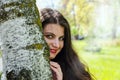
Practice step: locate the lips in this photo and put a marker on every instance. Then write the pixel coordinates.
(53, 51)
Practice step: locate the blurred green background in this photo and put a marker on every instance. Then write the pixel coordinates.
(104, 64)
(95, 29)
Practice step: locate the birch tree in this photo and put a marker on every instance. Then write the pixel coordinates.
(24, 51)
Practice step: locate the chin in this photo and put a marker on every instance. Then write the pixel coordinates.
(51, 58)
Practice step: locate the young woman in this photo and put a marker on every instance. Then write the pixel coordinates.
(65, 63)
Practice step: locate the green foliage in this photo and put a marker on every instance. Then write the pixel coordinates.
(74, 31)
(0, 75)
(0, 53)
(79, 15)
(104, 65)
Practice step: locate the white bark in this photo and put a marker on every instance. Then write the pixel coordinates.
(25, 55)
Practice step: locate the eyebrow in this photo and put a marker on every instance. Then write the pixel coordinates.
(46, 33)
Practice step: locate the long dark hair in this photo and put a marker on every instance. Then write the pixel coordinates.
(72, 67)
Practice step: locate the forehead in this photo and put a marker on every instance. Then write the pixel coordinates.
(54, 28)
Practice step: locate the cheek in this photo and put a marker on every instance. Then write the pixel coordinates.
(47, 40)
(62, 44)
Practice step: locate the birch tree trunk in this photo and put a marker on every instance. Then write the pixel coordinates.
(24, 52)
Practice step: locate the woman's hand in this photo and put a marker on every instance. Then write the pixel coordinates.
(56, 71)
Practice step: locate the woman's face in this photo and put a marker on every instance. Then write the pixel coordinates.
(54, 36)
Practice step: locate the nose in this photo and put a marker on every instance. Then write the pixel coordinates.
(56, 43)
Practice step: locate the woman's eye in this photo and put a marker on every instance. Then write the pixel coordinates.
(61, 39)
(49, 36)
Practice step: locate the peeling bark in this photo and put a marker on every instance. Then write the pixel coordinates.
(24, 51)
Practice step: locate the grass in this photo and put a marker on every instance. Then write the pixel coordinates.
(104, 65)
